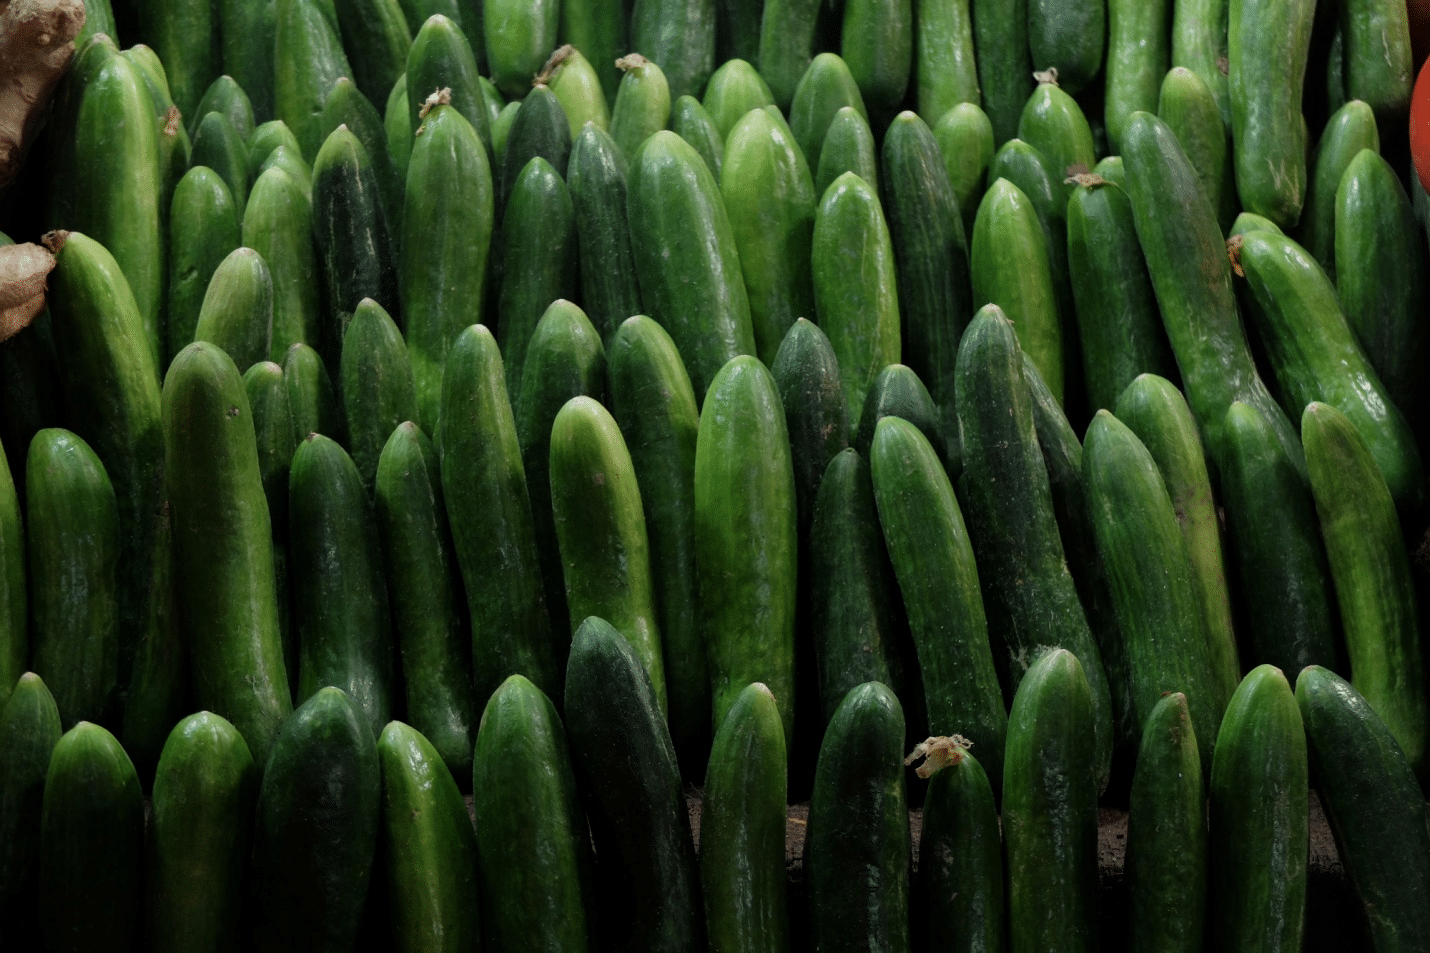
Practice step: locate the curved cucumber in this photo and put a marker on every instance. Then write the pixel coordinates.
(1349, 130)
(219, 146)
(1053, 123)
(376, 38)
(246, 32)
(345, 105)
(1186, 104)
(898, 392)
(1379, 67)
(965, 139)
(877, 43)
(278, 224)
(441, 58)
(848, 147)
(273, 427)
(540, 128)
(186, 38)
(944, 61)
(598, 29)
(1199, 43)
(806, 372)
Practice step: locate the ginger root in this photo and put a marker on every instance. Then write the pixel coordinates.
(24, 270)
(36, 46)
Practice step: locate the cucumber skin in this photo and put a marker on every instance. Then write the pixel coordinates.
(734, 90)
(540, 128)
(848, 147)
(642, 108)
(311, 398)
(826, 87)
(1005, 66)
(806, 372)
(14, 599)
(1053, 123)
(203, 229)
(376, 39)
(237, 313)
(1349, 130)
(857, 849)
(898, 392)
(29, 730)
(596, 180)
(375, 381)
(1378, 62)
(185, 36)
(247, 33)
(959, 890)
(218, 145)
(223, 546)
(1384, 848)
(1199, 43)
(877, 43)
(345, 105)
(965, 139)
(308, 58)
(1187, 105)
(679, 35)
(787, 31)
(277, 224)
(944, 64)
(597, 28)
(1069, 37)
(1138, 56)
(442, 58)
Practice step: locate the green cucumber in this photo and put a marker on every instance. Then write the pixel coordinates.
(278, 224)
(1199, 43)
(1167, 833)
(898, 392)
(273, 427)
(679, 35)
(223, 545)
(642, 105)
(218, 146)
(225, 96)
(345, 105)
(1005, 65)
(686, 259)
(598, 28)
(375, 385)
(308, 59)
(91, 846)
(539, 129)
(1138, 55)
(291, 161)
(267, 137)
(1374, 806)
(397, 125)
(629, 784)
(1256, 854)
(1349, 130)
(441, 58)
(29, 730)
(518, 35)
(1068, 37)
(376, 39)
(237, 313)
(490, 513)
(574, 83)
(1187, 106)
(1053, 123)
(200, 833)
(14, 601)
(806, 372)
(734, 89)
(430, 850)
(690, 121)
(340, 608)
(247, 34)
(596, 180)
(848, 147)
(965, 139)
(787, 30)
(770, 202)
(944, 63)
(316, 827)
(185, 35)
(174, 144)
(857, 846)
(1379, 67)
(958, 896)
(826, 87)
(877, 44)
(311, 399)
(532, 840)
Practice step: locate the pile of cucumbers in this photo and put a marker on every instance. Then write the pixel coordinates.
(561, 404)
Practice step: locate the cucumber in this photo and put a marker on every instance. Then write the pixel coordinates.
(278, 224)
(247, 34)
(806, 373)
(1138, 55)
(743, 829)
(29, 730)
(1186, 104)
(598, 28)
(629, 785)
(1005, 65)
(898, 392)
(965, 139)
(273, 427)
(596, 180)
(291, 161)
(316, 827)
(376, 39)
(770, 202)
(679, 35)
(1378, 64)
(173, 139)
(397, 126)
(574, 83)
(1256, 854)
(848, 147)
(223, 544)
(787, 33)
(539, 129)
(1349, 130)
(311, 398)
(686, 260)
(877, 44)
(418, 11)
(642, 105)
(534, 849)
(429, 847)
(490, 513)
(1371, 569)
(944, 63)
(826, 87)
(518, 36)
(237, 313)
(14, 607)
(1199, 43)
(690, 121)
(185, 35)
(200, 833)
(1167, 833)
(225, 96)
(1053, 123)
(1068, 37)
(1373, 804)
(340, 608)
(441, 58)
(734, 89)
(856, 848)
(308, 59)
(91, 845)
(345, 105)
(375, 384)
(218, 146)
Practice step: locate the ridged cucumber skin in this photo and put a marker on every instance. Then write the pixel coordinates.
(938, 581)
(600, 526)
(596, 181)
(1138, 56)
(375, 382)
(532, 840)
(237, 313)
(345, 105)
(1176, 225)
(1349, 130)
(629, 784)
(686, 259)
(806, 373)
(898, 392)
(429, 847)
(1257, 850)
(14, 597)
(1053, 123)
(340, 606)
(654, 405)
(91, 845)
(1010, 268)
(316, 828)
(1199, 43)
(73, 552)
(826, 87)
(746, 538)
(485, 488)
(1028, 591)
(226, 97)
(1068, 37)
(273, 427)
(574, 83)
(743, 829)
(643, 106)
(1050, 808)
(247, 33)
(1274, 545)
(219, 146)
(442, 58)
(1118, 323)
(965, 139)
(787, 34)
(733, 90)
(1315, 356)
(311, 398)
(1186, 104)
(376, 39)
(519, 35)
(29, 730)
(851, 586)
(679, 35)
(770, 203)
(539, 129)
(945, 69)
(857, 846)
(185, 35)
(277, 224)
(1005, 65)
(1158, 414)
(223, 546)
(308, 59)
(1159, 615)
(355, 259)
(1167, 833)
(1371, 569)
(423, 583)
(598, 29)
(1381, 276)
(1379, 67)
(199, 835)
(958, 892)
(1268, 38)
(848, 147)
(1374, 806)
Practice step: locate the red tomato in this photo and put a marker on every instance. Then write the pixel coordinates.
(1420, 126)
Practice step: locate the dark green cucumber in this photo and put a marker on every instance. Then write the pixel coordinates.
(787, 29)
(273, 427)
(1138, 55)
(278, 224)
(1053, 123)
(308, 59)
(247, 34)
(574, 83)
(826, 87)
(376, 39)
(848, 147)
(14, 600)
(186, 38)
(345, 105)
(311, 398)
(537, 891)
(598, 29)
(877, 43)
(629, 785)
(686, 258)
(857, 848)
(200, 832)
(73, 539)
(539, 129)
(1167, 833)
(223, 546)
(806, 372)
(965, 139)
(518, 35)
(1068, 37)
(225, 96)
(1379, 67)
(733, 90)
(642, 106)
(29, 730)
(944, 62)
(237, 313)
(374, 384)
(173, 139)
(1374, 806)
(429, 847)
(596, 180)
(770, 201)
(340, 607)
(92, 846)
(690, 121)
(1256, 854)
(679, 35)
(441, 58)
(1186, 104)
(1005, 65)
(218, 146)
(397, 125)
(938, 580)
(1349, 130)
(490, 513)
(898, 392)
(1199, 43)
(316, 828)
